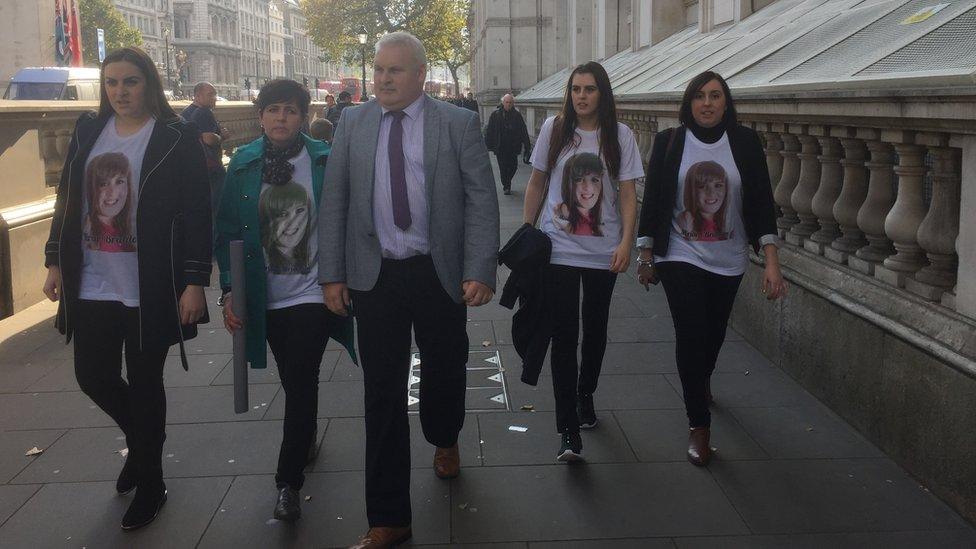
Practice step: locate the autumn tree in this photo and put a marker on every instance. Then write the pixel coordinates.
(334, 25)
(102, 14)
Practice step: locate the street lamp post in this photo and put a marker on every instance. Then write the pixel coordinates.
(169, 78)
(362, 51)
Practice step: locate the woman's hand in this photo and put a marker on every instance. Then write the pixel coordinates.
(231, 322)
(620, 260)
(647, 275)
(52, 285)
(773, 285)
(192, 304)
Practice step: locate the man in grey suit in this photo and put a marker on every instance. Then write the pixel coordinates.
(408, 239)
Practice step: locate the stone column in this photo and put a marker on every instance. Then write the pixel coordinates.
(806, 187)
(54, 139)
(774, 158)
(938, 231)
(850, 201)
(963, 298)
(787, 182)
(877, 204)
(903, 220)
(831, 182)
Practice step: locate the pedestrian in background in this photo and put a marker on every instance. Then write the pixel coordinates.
(507, 136)
(133, 285)
(707, 198)
(270, 201)
(212, 135)
(589, 162)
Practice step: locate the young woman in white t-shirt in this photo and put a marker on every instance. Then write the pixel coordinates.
(590, 162)
(128, 258)
(707, 198)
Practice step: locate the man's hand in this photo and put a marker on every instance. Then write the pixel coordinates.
(231, 321)
(476, 293)
(336, 297)
(192, 304)
(224, 132)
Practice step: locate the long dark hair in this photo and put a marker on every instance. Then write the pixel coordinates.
(564, 126)
(684, 113)
(155, 100)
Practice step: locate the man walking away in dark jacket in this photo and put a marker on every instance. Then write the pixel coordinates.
(345, 99)
(505, 137)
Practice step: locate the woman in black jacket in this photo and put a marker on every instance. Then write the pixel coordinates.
(707, 197)
(128, 258)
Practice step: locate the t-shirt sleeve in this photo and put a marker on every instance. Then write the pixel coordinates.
(540, 152)
(631, 166)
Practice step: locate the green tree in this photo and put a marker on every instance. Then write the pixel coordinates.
(335, 25)
(101, 14)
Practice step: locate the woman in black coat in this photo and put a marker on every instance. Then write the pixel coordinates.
(707, 198)
(128, 257)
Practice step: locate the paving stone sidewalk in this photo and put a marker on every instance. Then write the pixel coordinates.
(788, 471)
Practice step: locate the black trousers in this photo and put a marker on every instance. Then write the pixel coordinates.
(297, 336)
(701, 303)
(407, 294)
(137, 403)
(597, 291)
(507, 165)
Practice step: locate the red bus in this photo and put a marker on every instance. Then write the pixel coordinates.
(354, 87)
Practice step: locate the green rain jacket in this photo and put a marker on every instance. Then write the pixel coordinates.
(237, 219)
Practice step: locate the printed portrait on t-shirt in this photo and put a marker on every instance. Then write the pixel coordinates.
(705, 202)
(579, 213)
(285, 212)
(108, 219)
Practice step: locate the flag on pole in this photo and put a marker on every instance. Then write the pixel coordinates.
(61, 46)
(75, 37)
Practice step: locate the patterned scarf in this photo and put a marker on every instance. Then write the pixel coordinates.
(277, 170)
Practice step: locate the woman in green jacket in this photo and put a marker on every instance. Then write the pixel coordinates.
(270, 201)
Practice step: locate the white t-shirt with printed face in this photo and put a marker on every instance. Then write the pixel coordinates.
(289, 238)
(707, 229)
(110, 264)
(581, 214)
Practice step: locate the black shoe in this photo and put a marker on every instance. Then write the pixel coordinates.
(127, 478)
(144, 507)
(585, 411)
(571, 448)
(289, 506)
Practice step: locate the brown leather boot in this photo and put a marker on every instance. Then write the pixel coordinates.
(383, 537)
(447, 462)
(699, 452)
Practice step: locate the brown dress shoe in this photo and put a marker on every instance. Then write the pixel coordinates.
(382, 537)
(699, 452)
(447, 462)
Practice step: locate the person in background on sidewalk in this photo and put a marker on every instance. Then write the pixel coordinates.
(335, 111)
(507, 136)
(321, 129)
(408, 236)
(212, 135)
(138, 289)
(585, 129)
(707, 198)
(270, 202)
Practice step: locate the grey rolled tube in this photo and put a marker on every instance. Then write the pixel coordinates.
(239, 307)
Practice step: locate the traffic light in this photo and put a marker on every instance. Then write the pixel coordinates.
(316, 83)
(305, 81)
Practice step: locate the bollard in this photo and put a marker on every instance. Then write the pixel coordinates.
(239, 307)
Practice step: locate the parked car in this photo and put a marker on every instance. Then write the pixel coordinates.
(54, 84)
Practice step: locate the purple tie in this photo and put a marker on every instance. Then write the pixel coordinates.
(398, 178)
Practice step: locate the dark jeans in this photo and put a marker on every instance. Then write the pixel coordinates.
(700, 302)
(597, 291)
(297, 336)
(137, 403)
(507, 165)
(407, 294)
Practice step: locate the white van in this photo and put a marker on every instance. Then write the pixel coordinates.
(54, 84)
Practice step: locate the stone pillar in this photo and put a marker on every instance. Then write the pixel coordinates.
(774, 158)
(964, 300)
(903, 220)
(806, 187)
(877, 204)
(938, 231)
(54, 139)
(831, 182)
(787, 182)
(851, 198)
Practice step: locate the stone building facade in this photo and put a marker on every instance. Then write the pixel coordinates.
(152, 18)
(276, 39)
(255, 41)
(209, 32)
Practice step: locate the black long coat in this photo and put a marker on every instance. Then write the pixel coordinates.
(173, 221)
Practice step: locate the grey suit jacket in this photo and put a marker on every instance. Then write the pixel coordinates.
(461, 199)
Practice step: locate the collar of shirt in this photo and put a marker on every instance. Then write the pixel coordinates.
(414, 110)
